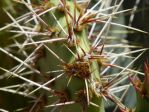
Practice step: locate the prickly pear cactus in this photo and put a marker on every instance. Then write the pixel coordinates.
(63, 55)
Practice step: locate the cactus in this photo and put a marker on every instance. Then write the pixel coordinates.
(64, 55)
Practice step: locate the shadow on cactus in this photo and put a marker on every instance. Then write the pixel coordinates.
(64, 57)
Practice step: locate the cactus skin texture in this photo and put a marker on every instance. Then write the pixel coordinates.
(80, 46)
